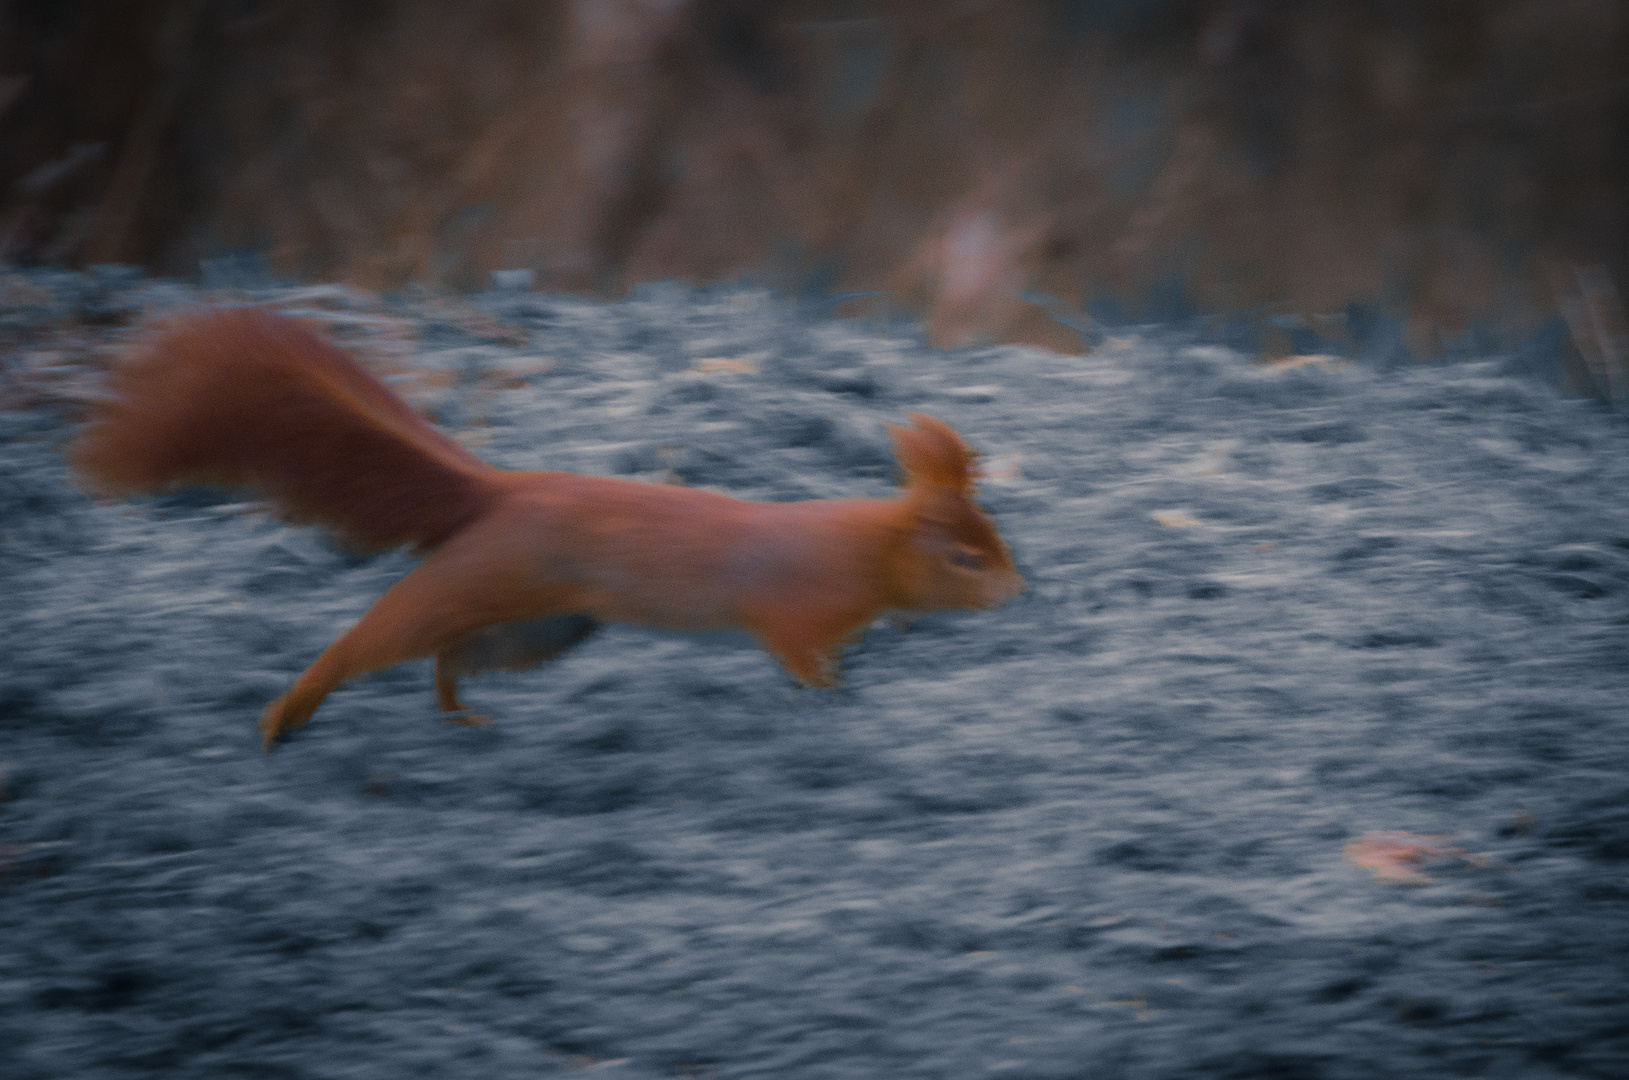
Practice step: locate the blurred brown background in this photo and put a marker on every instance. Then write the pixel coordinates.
(1459, 166)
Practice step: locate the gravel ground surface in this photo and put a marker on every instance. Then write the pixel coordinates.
(1303, 756)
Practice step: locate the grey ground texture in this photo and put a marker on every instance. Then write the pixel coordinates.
(1113, 830)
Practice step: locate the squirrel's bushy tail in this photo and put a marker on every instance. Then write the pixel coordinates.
(243, 397)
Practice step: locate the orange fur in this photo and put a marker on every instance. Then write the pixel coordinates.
(521, 565)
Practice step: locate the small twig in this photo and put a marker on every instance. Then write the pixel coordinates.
(1590, 304)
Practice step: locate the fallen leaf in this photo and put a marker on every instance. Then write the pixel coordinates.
(721, 365)
(1394, 857)
(1291, 363)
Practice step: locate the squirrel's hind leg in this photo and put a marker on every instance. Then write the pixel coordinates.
(433, 611)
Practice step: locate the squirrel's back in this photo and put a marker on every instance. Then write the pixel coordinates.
(243, 397)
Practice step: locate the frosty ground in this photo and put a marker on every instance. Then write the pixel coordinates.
(1100, 833)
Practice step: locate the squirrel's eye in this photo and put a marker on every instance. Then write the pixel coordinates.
(967, 559)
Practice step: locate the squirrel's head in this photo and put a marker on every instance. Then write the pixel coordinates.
(955, 557)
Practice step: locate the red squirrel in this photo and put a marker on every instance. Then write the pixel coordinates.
(519, 566)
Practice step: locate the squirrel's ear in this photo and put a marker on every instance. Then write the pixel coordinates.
(931, 452)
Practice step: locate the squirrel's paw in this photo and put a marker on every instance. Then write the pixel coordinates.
(276, 721)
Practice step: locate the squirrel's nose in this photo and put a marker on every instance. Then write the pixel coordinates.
(1000, 588)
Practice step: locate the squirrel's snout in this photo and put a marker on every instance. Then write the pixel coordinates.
(1002, 587)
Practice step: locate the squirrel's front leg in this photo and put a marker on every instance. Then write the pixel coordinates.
(806, 646)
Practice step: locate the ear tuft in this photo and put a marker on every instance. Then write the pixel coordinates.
(931, 452)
